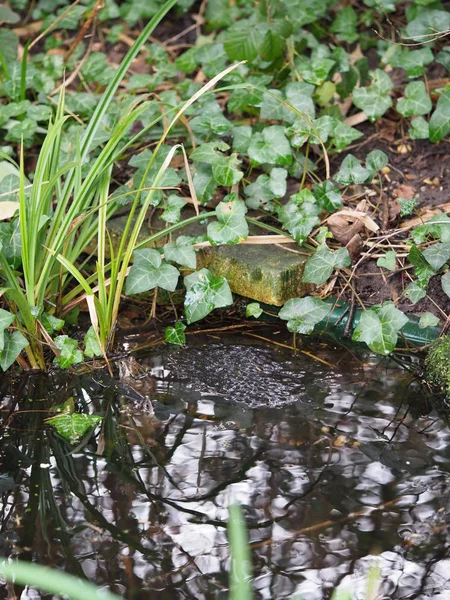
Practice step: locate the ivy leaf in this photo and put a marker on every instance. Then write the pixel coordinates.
(270, 147)
(343, 135)
(445, 283)
(427, 25)
(328, 196)
(420, 129)
(243, 41)
(437, 255)
(51, 323)
(13, 344)
(303, 314)
(300, 215)
(205, 183)
(91, 345)
(437, 227)
(440, 119)
(427, 319)
(231, 225)
(149, 271)
(416, 100)
(315, 70)
(351, 171)
(172, 212)
(407, 206)
(182, 252)
(344, 25)
(226, 172)
(253, 309)
(379, 327)
(423, 270)
(413, 61)
(374, 100)
(323, 262)
(69, 352)
(388, 261)
(6, 319)
(204, 293)
(375, 161)
(175, 334)
(414, 292)
(73, 426)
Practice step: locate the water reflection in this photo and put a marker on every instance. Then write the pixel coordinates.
(337, 468)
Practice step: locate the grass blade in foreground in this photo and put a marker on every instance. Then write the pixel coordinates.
(241, 561)
(52, 581)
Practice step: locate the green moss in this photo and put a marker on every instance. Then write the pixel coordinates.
(437, 371)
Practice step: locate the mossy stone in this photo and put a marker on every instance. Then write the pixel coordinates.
(267, 273)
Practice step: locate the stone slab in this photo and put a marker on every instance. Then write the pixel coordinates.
(266, 273)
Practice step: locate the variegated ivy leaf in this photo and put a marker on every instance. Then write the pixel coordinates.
(173, 208)
(204, 293)
(388, 261)
(303, 314)
(416, 100)
(69, 352)
(73, 426)
(175, 335)
(13, 344)
(231, 225)
(351, 171)
(270, 147)
(374, 100)
(427, 319)
(323, 262)
(149, 271)
(300, 215)
(182, 252)
(379, 327)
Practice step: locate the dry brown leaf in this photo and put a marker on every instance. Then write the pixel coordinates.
(405, 191)
(354, 247)
(369, 223)
(7, 209)
(344, 228)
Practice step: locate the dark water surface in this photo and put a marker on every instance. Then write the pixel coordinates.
(338, 468)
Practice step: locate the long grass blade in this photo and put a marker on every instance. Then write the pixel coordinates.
(241, 563)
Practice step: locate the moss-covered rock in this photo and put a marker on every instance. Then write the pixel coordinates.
(437, 371)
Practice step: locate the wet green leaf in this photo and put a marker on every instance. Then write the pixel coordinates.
(374, 100)
(175, 335)
(437, 227)
(204, 293)
(343, 135)
(91, 345)
(379, 327)
(428, 25)
(69, 352)
(13, 344)
(303, 314)
(73, 427)
(253, 310)
(407, 206)
(243, 41)
(51, 323)
(226, 172)
(388, 261)
(314, 71)
(427, 319)
(231, 225)
(416, 100)
(323, 262)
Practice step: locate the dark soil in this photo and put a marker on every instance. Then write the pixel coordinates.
(417, 167)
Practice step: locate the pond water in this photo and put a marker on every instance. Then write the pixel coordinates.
(336, 458)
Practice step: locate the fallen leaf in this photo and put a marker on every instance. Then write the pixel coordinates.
(354, 246)
(7, 209)
(344, 228)
(405, 191)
